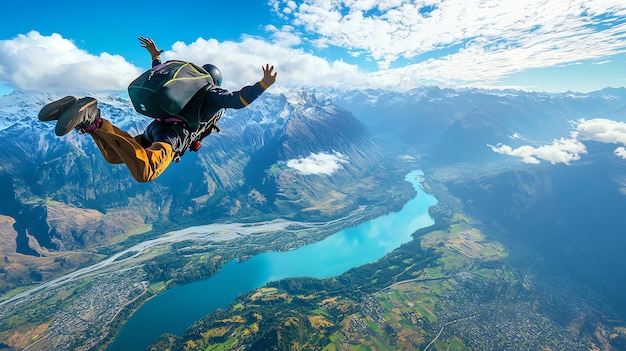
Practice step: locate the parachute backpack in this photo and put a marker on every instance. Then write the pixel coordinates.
(163, 91)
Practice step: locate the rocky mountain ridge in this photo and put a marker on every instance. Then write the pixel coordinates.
(61, 199)
(451, 126)
(60, 195)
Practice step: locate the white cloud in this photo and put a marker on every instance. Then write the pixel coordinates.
(241, 63)
(560, 151)
(450, 43)
(321, 163)
(286, 36)
(51, 63)
(602, 130)
(567, 150)
(482, 41)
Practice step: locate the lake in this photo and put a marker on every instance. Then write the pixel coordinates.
(176, 309)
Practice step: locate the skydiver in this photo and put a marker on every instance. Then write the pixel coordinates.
(148, 154)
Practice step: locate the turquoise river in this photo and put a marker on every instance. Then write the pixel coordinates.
(176, 309)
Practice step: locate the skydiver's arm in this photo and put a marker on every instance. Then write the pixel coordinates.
(150, 45)
(243, 97)
(222, 98)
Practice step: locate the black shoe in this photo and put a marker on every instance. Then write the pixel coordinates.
(53, 110)
(82, 114)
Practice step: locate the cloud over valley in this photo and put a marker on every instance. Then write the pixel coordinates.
(318, 164)
(566, 150)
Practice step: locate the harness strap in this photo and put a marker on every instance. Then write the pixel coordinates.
(193, 142)
(170, 120)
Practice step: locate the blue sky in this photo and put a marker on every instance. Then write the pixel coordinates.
(539, 45)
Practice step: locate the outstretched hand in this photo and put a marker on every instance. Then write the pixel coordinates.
(269, 76)
(150, 45)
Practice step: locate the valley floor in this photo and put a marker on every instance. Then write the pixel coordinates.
(454, 287)
(81, 309)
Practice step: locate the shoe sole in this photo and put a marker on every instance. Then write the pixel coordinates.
(53, 110)
(73, 116)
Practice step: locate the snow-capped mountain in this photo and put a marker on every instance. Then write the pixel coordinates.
(266, 161)
(456, 125)
(285, 154)
(318, 155)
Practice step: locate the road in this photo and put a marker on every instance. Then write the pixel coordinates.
(443, 327)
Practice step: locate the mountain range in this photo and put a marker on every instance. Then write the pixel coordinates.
(59, 194)
(318, 155)
(571, 213)
(451, 126)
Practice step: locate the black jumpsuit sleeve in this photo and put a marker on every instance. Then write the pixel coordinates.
(221, 98)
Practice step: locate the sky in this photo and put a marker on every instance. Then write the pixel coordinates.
(533, 45)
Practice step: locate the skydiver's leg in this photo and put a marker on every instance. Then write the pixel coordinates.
(117, 146)
(110, 154)
(145, 161)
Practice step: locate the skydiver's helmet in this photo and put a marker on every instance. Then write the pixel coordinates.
(215, 73)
